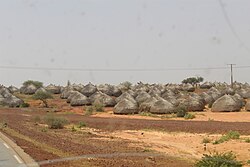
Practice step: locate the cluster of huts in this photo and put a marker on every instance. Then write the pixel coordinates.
(153, 98)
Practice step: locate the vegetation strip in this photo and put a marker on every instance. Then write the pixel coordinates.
(43, 146)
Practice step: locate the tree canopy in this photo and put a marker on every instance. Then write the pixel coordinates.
(37, 84)
(193, 80)
(43, 96)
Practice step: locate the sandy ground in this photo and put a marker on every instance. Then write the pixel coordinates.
(186, 145)
(47, 144)
(242, 116)
(107, 133)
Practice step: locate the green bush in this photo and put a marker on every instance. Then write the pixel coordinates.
(206, 140)
(99, 107)
(233, 135)
(148, 114)
(55, 122)
(219, 160)
(145, 114)
(89, 110)
(248, 161)
(24, 105)
(81, 124)
(37, 84)
(181, 111)
(247, 140)
(210, 105)
(189, 116)
(44, 129)
(73, 129)
(227, 137)
(3, 124)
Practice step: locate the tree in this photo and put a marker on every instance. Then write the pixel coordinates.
(193, 80)
(37, 84)
(200, 79)
(43, 96)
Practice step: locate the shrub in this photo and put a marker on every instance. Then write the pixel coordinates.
(148, 114)
(210, 119)
(24, 105)
(145, 114)
(37, 84)
(37, 119)
(181, 111)
(73, 129)
(44, 129)
(248, 161)
(217, 142)
(219, 160)
(247, 140)
(99, 107)
(55, 122)
(189, 116)
(221, 140)
(210, 105)
(89, 110)
(206, 140)
(233, 135)
(147, 150)
(227, 137)
(3, 124)
(81, 124)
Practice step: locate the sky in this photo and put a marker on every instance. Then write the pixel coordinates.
(123, 34)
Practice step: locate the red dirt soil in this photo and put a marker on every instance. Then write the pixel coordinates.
(46, 144)
(55, 144)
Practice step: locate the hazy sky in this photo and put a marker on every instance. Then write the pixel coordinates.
(127, 34)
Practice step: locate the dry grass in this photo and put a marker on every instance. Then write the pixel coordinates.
(42, 146)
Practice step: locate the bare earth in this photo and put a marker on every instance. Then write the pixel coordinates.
(118, 140)
(186, 145)
(242, 116)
